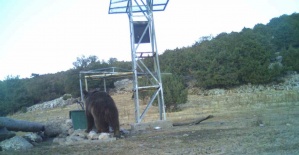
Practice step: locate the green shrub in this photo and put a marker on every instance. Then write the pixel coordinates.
(290, 58)
(234, 59)
(23, 109)
(174, 92)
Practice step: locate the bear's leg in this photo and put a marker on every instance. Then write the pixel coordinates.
(90, 122)
(112, 118)
(115, 126)
(101, 125)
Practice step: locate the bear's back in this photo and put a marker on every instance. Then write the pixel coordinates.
(99, 97)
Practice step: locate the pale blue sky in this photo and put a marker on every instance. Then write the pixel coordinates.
(46, 36)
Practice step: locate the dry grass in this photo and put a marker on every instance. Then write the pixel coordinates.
(124, 103)
(255, 123)
(197, 106)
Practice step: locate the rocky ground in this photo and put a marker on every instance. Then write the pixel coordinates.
(255, 122)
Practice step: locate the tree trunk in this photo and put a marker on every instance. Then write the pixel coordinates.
(19, 125)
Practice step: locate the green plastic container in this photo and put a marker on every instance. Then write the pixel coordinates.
(79, 119)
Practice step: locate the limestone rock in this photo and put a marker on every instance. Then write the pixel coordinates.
(92, 135)
(104, 136)
(79, 133)
(33, 137)
(69, 123)
(59, 102)
(58, 140)
(72, 139)
(15, 143)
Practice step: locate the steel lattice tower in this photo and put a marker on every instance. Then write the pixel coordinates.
(142, 35)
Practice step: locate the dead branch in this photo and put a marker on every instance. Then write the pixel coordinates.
(197, 121)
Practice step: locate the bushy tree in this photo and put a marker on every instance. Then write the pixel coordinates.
(291, 58)
(174, 92)
(284, 31)
(82, 62)
(216, 63)
(13, 95)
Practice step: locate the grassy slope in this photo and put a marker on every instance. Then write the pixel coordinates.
(253, 123)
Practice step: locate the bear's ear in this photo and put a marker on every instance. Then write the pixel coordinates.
(85, 92)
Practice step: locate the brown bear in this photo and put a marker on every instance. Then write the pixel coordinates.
(101, 111)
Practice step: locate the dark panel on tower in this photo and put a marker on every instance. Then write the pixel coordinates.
(139, 28)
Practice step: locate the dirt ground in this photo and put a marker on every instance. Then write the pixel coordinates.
(257, 123)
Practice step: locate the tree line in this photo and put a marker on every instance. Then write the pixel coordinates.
(258, 56)
(17, 93)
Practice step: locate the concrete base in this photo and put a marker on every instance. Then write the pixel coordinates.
(156, 125)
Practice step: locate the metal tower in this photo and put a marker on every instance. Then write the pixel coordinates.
(143, 48)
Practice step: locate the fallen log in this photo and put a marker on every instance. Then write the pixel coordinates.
(20, 125)
(197, 121)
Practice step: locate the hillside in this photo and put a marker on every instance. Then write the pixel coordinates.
(245, 122)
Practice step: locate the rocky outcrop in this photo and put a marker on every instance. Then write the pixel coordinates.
(123, 86)
(59, 102)
(290, 82)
